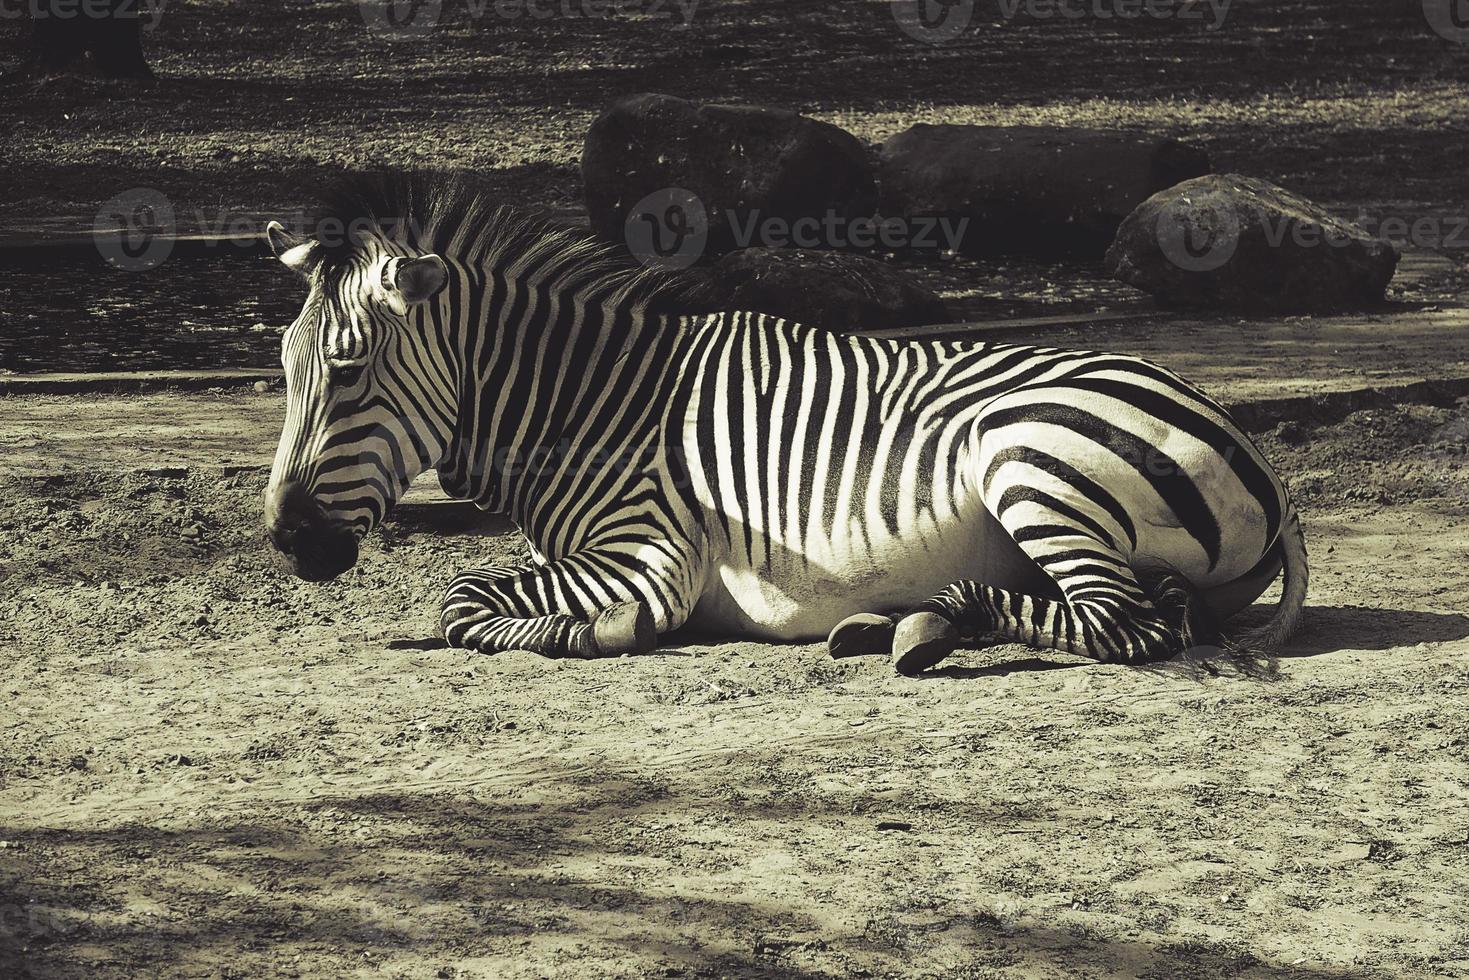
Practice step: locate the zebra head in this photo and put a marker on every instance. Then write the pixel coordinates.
(370, 395)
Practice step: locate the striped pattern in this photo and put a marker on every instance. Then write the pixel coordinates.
(754, 475)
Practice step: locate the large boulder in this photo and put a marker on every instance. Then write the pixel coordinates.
(1030, 190)
(738, 162)
(833, 290)
(1232, 242)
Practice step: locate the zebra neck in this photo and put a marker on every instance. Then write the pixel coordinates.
(560, 392)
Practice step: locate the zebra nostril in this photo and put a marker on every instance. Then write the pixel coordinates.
(290, 511)
(281, 537)
(315, 549)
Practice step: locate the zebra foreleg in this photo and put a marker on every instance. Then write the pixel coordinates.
(502, 608)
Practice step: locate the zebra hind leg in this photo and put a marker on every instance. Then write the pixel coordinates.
(1180, 606)
(862, 635)
(926, 636)
(1205, 650)
(1105, 614)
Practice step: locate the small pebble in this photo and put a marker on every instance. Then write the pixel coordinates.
(260, 387)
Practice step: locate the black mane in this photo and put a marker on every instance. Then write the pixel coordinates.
(448, 215)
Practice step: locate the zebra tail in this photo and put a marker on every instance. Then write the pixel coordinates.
(1197, 632)
(1196, 627)
(1266, 640)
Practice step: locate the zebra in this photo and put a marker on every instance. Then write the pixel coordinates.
(670, 463)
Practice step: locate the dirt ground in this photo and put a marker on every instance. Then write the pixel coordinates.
(1346, 101)
(210, 769)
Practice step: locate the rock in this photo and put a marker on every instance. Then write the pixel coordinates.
(833, 290)
(1352, 852)
(782, 945)
(1038, 190)
(739, 162)
(1291, 432)
(261, 387)
(1232, 242)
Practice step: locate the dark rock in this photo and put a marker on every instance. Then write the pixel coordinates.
(833, 290)
(1240, 243)
(737, 161)
(1291, 432)
(1032, 190)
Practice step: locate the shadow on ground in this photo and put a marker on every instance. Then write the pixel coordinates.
(1328, 629)
(395, 879)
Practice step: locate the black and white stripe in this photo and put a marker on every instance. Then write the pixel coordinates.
(756, 475)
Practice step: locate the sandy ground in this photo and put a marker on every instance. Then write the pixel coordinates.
(210, 769)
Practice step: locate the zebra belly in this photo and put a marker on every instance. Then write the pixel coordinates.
(794, 598)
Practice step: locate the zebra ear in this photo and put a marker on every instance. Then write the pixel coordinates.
(419, 280)
(295, 254)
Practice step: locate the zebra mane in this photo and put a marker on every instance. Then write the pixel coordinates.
(448, 215)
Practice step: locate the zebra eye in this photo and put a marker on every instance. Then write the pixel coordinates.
(345, 375)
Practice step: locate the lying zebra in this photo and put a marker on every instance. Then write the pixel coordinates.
(746, 474)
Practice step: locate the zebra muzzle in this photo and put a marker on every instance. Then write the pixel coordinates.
(314, 548)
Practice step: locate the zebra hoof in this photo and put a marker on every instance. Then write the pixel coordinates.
(624, 627)
(862, 635)
(922, 640)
